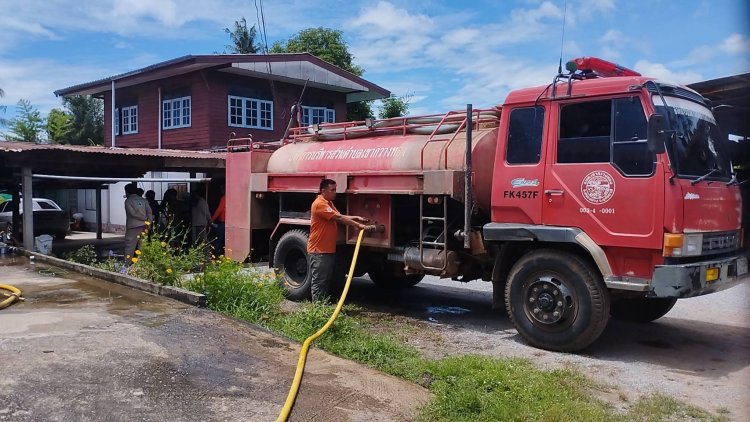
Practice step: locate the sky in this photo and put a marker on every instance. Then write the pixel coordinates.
(443, 54)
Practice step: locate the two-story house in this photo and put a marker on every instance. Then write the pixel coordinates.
(197, 102)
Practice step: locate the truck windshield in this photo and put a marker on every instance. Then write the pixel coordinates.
(696, 148)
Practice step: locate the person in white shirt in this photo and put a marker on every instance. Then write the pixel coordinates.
(137, 214)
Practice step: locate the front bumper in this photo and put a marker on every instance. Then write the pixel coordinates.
(689, 280)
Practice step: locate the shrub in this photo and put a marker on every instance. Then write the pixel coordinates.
(164, 258)
(84, 255)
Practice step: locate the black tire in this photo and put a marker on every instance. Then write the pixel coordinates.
(60, 236)
(291, 264)
(641, 309)
(556, 300)
(391, 276)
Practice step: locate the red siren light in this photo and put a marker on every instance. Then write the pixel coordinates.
(599, 67)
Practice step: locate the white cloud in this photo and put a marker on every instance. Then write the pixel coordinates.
(385, 18)
(736, 44)
(660, 71)
(36, 80)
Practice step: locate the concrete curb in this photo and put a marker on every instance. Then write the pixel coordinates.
(185, 296)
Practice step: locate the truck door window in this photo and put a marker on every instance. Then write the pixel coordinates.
(525, 135)
(630, 152)
(585, 131)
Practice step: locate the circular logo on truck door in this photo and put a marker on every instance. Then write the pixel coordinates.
(598, 187)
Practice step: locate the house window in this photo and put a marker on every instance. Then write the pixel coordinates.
(129, 120)
(250, 113)
(176, 113)
(117, 121)
(315, 115)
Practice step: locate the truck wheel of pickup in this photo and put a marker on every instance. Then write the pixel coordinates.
(642, 309)
(556, 300)
(387, 276)
(291, 264)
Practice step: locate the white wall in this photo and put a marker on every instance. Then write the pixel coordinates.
(113, 200)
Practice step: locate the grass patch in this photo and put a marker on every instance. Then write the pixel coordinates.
(659, 407)
(465, 388)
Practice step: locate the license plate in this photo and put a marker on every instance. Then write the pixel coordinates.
(741, 266)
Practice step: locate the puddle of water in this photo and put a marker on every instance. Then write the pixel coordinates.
(452, 310)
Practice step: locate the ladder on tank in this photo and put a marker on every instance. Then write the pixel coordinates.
(436, 244)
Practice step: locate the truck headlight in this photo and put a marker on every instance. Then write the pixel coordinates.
(679, 245)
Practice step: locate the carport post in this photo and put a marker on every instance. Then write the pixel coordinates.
(98, 211)
(28, 209)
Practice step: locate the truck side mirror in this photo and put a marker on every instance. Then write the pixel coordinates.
(657, 134)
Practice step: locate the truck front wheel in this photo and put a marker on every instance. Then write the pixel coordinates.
(641, 309)
(290, 263)
(556, 300)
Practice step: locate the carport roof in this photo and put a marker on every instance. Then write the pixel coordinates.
(95, 161)
(734, 92)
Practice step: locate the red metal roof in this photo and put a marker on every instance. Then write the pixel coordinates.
(8, 146)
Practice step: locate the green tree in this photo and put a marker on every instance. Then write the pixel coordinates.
(394, 106)
(3, 121)
(87, 124)
(59, 126)
(329, 45)
(242, 38)
(28, 125)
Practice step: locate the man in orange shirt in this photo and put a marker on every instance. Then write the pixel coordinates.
(321, 246)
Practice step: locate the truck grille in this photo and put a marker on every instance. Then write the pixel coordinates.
(720, 242)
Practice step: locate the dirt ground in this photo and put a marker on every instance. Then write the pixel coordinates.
(699, 353)
(81, 349)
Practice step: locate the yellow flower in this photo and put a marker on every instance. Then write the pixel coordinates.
(163, 244)
(169, 271)
(148, 223)
(137, 252)
(134, 259)
(127, 256)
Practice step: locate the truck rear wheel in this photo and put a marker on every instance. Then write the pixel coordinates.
(642, 309)
(556, 300)
(291, 264)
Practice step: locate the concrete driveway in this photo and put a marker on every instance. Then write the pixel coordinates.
(87, 350)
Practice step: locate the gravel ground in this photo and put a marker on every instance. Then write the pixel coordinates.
(699, 353)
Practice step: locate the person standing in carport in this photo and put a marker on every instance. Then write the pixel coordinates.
(137, 219)
(321, 246)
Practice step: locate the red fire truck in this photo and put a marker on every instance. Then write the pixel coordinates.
(604, 193)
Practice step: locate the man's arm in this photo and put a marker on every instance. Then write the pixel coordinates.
(352, 220)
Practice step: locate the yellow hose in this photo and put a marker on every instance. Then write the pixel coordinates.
(284, 415)
(15, 294)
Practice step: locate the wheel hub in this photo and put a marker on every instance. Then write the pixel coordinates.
(547, 300)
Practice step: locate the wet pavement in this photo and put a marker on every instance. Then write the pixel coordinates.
(88, 350)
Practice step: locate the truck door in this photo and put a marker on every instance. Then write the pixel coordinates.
(600, 175)
(517, 188)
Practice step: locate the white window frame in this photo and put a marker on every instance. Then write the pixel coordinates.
(129, 120)
(117, 121)
(319, 115)
(242, 109)
(177, 110)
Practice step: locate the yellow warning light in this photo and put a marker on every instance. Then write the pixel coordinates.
(712, 274)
